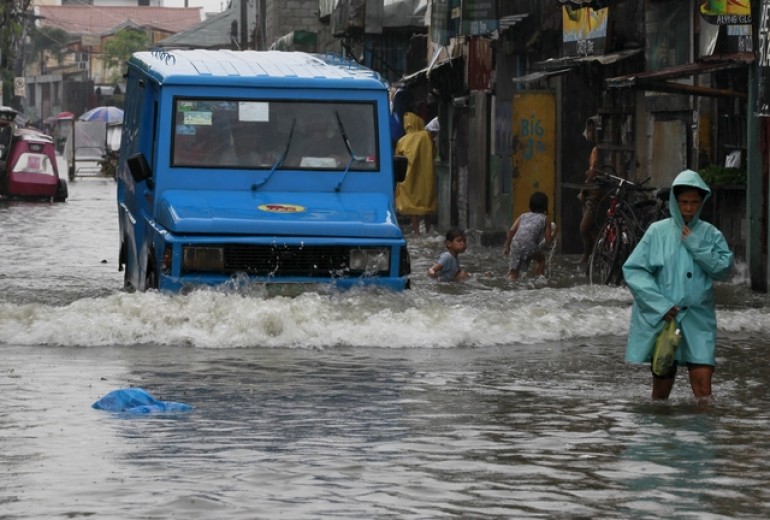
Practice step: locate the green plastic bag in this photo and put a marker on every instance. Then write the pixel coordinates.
(665, 349)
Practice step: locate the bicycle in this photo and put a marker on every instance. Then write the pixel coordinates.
(630, 211)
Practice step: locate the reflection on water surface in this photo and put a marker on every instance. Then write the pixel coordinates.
(486, 399)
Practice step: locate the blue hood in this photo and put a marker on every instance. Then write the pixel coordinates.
(311, 214)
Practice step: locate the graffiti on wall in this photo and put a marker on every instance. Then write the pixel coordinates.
(533, 137)
(530, 138)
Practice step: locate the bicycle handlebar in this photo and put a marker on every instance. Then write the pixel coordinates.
(621, 182)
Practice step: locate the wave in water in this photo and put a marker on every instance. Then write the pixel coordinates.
(423, 318)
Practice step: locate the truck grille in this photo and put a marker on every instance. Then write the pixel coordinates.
(285, 261)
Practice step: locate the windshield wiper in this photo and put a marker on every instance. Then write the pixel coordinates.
(277, 164)
(350, 152)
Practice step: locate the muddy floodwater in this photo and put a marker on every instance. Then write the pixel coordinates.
(485, 399)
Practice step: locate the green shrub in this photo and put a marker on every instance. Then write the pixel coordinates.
(716, 175)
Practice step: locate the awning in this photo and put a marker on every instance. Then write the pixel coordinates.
(537, 76)
(433, 67)
(574, 61)
(658, 80)
(508, 22)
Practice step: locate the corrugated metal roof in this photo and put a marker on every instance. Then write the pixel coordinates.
(435, 65)
(574, 61)
(90, 19)
(537, 76)
(212, 33)
(507, 22)
(657, 80)
(711, 64)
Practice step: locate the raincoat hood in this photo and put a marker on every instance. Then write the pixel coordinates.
(413, 123)
(416, 195)
(692, 179)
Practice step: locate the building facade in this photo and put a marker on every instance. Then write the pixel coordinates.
(76, 82)
(670, 84)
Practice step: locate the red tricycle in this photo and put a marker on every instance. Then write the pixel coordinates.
(28, 167)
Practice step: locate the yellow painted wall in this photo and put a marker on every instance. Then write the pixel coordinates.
(534, 159)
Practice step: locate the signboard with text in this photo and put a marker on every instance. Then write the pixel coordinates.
(584, 30)
(763, 61)
(726, 12)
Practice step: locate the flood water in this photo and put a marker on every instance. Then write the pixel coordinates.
(485, 399)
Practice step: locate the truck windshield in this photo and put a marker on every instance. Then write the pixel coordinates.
(248, 134)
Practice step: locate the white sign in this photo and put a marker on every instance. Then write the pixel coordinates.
(257, 111)
(19, 86)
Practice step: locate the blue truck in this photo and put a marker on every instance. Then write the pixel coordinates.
(273, 167)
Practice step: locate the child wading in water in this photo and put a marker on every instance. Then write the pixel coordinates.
(447, 267)
(526, 235)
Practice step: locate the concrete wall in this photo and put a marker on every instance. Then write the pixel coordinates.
(285, 16)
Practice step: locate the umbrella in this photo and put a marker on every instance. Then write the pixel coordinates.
(108, 114)
(8, 113)
(63, 116)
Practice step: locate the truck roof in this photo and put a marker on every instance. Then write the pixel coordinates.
(241, 68)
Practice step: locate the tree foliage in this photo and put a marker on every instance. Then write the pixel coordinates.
(119, 48)
(51, 40)
(15, 19)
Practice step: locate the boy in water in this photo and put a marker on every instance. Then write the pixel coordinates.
(447, 267)
(526, 235)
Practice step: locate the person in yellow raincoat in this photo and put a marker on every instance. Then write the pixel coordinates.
(416, 196)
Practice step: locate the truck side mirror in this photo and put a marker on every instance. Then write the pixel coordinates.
(139, 168)
(400, 164)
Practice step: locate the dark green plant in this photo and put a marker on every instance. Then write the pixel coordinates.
(716, 175)
(15, 19)
(119, 48)
(50, 40)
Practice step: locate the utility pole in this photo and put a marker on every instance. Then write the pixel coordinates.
(244, 24)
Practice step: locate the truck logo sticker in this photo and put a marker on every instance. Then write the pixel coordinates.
(281, 208)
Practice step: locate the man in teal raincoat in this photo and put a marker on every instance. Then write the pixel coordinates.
(670, 274)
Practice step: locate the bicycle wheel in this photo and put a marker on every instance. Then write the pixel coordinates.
(603, 267)
(646, 212)
(625, 245)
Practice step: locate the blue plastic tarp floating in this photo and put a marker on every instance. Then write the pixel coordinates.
(137, 401)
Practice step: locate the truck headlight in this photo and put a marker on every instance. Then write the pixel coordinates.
(370, 261)
(203, 259)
